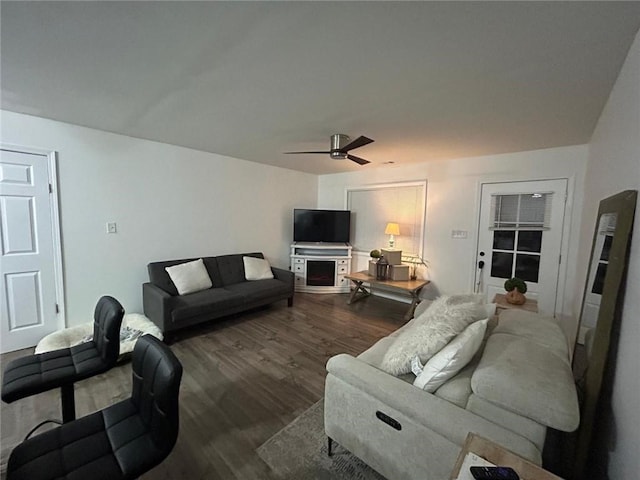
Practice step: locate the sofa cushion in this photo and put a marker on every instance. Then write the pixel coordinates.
(231, 267)
(189, 277)
(374, 354)
(256, 269)
(457, 390)
(259, 289)
(516, 423)
(429, 333)
(540, 329)
(527, 378)
(452, 358)
(205, 302)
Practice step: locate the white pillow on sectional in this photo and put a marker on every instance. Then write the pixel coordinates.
(442, 308)
(189, 277)
(429, 333)
(256, 269)
(452, 358)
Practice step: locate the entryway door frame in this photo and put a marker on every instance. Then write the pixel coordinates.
(566, 234)
(52, 163)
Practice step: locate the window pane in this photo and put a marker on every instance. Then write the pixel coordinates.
(501, 264)
(503, 240)
(527, 267)
(530, 241)
(522, 211)
(506, 209)
(532, 209)
(606, 248)
(598, 282)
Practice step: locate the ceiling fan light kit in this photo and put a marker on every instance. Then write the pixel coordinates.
(340, 148)
(338, 142)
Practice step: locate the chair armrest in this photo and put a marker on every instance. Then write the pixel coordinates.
(436, 414)
(155, 303)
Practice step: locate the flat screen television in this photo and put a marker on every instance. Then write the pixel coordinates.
(321, 225)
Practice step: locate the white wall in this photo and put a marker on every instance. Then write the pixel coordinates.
(168, 202)
(613, 166)
(453, 188)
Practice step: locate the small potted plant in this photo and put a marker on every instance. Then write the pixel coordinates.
(516, 288)
(414, 262)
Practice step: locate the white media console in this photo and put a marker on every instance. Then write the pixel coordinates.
(321, 267)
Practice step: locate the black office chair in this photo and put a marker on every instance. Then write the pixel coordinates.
(120, 442)
(38, 373)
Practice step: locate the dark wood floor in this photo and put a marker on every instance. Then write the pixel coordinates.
(244, 379)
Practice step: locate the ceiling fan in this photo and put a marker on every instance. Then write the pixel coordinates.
(340, 148)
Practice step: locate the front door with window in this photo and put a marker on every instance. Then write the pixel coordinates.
(520, 235)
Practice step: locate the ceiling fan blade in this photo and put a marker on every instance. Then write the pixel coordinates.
(358, 160)
(357, 143)
(306, 152)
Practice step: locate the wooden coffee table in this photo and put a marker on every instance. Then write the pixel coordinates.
(411, 287)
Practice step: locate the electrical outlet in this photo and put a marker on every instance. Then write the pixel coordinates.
(112, 227)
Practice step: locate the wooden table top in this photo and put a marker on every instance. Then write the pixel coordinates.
(408, 285)
(501, 300)
(498, 455)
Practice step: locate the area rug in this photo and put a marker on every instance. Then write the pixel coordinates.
(299, 451)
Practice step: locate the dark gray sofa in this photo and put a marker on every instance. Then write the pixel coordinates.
(230, 293)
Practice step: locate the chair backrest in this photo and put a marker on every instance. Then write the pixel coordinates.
(107, 319)
(156, 385)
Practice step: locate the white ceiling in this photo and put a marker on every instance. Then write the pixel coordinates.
(426, 80)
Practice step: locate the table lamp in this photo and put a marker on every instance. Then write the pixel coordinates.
(391, 230)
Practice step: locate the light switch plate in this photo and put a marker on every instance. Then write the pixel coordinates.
(459, 234)
(112, 227)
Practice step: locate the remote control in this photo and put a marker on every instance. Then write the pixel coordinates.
(494, 473)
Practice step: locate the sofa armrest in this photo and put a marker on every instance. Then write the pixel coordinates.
(287, 277)
(155, 304)
(283, 275)
(438, 415)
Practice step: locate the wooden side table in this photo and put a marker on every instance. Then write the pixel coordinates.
(410, 287)
(501, 304)
(498, 456)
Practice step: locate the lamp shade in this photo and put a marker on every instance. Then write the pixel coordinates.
(392, 229)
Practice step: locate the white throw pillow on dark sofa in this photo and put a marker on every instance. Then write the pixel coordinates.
(189, 277)
(256, 269)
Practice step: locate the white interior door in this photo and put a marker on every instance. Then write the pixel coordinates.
(520, 235)
(28, 274)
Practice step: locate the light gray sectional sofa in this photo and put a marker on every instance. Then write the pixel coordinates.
(517, 384)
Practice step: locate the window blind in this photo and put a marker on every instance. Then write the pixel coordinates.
(374, 206)
(525, 211)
